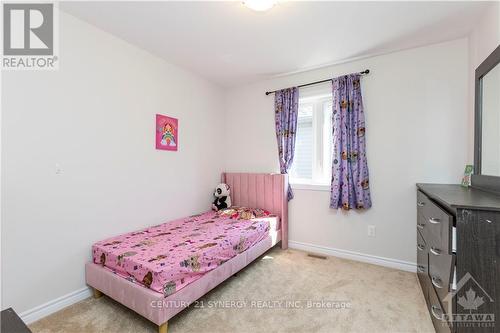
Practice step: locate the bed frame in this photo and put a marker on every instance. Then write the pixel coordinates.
(267, 191)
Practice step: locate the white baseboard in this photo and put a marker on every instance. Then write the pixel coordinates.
(60, 303)
(367, 258)
(55, 305)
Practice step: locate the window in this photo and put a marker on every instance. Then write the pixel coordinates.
(313, 146)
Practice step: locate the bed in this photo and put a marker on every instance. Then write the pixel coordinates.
(158, 271)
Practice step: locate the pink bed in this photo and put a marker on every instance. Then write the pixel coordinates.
(169, 256)
(175, 263)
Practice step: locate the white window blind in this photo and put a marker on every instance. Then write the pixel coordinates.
(302, 165)
(313, 145)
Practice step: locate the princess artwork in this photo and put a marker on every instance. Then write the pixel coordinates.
(167, 137)
(166, 133)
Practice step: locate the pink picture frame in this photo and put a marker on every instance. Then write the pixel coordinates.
(167, 133)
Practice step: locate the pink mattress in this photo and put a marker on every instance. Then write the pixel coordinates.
(169, 256)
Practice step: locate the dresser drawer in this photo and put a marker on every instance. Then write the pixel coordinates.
(422, 200)
(441, 275)
(435, 224)
(422, 225)
(437, 313)
(422, 255)
(423, 266)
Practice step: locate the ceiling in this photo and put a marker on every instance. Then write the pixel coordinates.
(231, 45)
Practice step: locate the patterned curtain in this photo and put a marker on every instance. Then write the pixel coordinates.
(286, 108)
(350, 186)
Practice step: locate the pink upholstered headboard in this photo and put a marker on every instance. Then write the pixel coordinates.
(261, 190)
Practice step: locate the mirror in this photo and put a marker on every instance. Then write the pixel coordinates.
(487, 124)
(490, 122)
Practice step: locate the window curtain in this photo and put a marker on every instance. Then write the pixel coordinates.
(350, 185)
(286, 108)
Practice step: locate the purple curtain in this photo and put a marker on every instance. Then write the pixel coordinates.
(350, 185)
(286, 108)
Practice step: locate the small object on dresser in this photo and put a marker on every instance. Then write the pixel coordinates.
(11, 323)
(469, 169)
(222, 197)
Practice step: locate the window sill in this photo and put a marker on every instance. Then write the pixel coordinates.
(310, 187)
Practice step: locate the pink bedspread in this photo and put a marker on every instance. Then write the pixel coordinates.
(169, 256)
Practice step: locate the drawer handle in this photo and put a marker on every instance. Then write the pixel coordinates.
(420, 204)
(435, 309)
(421, 269)
(434, 220)
(437, 282)
(420, 247)
(420, 226)
(434, 251)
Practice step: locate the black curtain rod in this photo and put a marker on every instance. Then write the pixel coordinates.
(366, 71)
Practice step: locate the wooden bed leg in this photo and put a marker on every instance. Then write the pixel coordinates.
(163, 328)
(97, 293)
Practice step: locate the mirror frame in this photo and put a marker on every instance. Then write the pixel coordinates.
(479, 180)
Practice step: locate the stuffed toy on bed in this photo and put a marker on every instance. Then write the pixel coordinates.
(222, 198)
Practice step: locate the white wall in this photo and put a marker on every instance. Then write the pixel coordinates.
(416, 118)
(483, 40)
(95, 116)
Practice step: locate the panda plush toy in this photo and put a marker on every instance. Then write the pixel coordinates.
(222, 198)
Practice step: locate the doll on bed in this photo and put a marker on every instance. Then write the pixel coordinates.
(222, 197)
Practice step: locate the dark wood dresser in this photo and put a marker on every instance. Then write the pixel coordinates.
(11, 323)
(458, 257)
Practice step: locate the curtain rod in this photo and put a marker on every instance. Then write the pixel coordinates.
(366, 71)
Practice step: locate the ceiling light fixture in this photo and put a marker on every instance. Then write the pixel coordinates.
(260, 5)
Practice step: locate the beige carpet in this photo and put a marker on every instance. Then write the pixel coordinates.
(379, 300)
